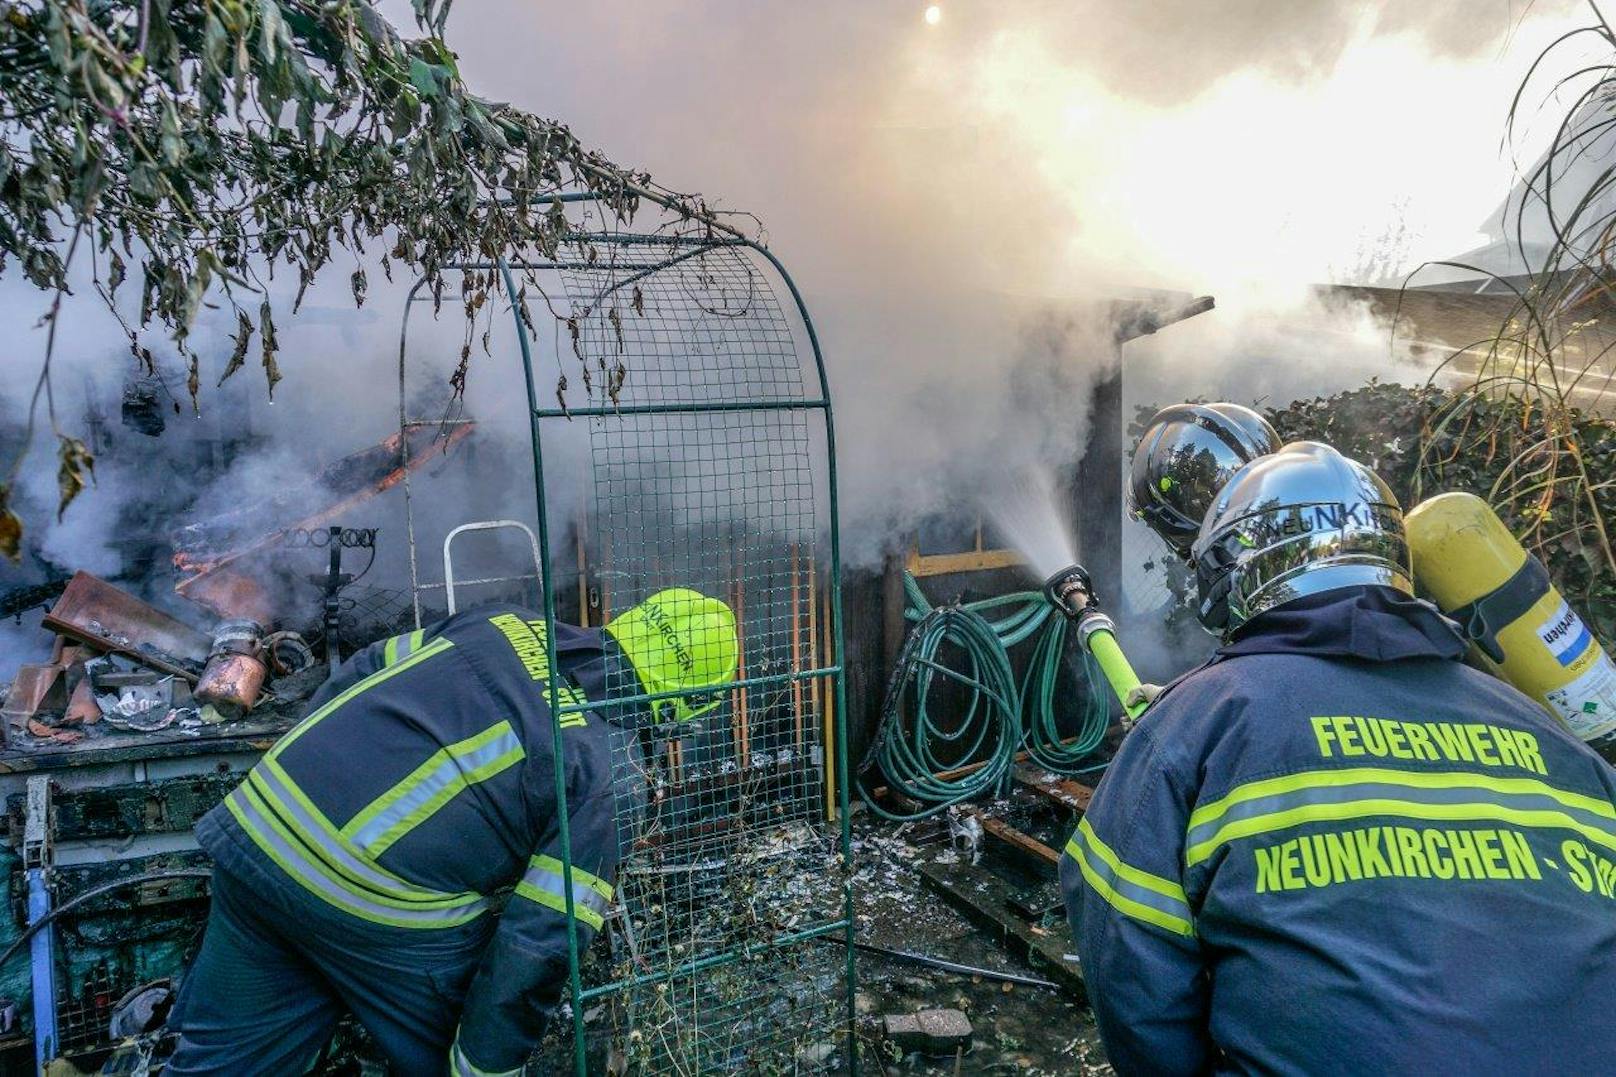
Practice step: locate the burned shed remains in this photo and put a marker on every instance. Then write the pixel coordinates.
(679, 436)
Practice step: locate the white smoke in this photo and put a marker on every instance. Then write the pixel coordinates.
(933, 188)
(956, 201)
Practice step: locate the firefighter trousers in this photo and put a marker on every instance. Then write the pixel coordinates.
(278, 968)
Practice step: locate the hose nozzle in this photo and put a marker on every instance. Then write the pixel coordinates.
(1071, 591)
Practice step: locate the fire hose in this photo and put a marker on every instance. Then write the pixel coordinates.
(999, 717)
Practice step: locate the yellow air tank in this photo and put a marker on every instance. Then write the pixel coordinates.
(1520, 626)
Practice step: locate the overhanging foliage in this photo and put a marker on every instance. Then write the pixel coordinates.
(189, 149)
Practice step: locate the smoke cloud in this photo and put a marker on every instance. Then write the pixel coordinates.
(937, 190)
(956, 201)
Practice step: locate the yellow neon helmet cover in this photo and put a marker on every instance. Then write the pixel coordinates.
(680, 640)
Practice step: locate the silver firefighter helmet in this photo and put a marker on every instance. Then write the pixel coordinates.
(1299, 522)
(1184, 458)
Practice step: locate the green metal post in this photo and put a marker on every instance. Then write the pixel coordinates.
(833, 669)
(574, 979)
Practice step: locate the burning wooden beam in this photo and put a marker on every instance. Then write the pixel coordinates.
(206, 547)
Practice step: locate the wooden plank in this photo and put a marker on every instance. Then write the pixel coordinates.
(95, 612)
(946, 564)
(1033, 773)
(1074, 796)
(1024, 845)
(132, 748)
(983, 898)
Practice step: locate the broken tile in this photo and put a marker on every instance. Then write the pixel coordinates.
(81, 706)
(36, 688)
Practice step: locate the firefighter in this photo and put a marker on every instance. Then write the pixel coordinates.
(1335, 848)
(355, 865)
(1187, 453)
(1185, 456)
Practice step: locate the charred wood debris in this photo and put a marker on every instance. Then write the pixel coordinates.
(119, 667)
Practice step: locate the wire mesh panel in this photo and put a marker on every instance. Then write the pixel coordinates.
(704, 437)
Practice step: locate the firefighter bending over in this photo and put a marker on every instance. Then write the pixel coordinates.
(354, 866)
(1335, 848)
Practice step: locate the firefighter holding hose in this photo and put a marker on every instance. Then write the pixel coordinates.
(1336, 848)
(355, 865)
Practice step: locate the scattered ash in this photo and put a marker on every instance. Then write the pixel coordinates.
(1018, 1029)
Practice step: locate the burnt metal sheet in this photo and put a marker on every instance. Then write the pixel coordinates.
(168, 806)
(95, 612)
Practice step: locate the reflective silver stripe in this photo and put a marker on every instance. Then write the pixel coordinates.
(1303, 798)
(545, 883)
(381, 676)
(295, 862)
(1332, 795)
(456, 772)
(401, 647)
(1129, 889)
(324, 841)
(460, 1065)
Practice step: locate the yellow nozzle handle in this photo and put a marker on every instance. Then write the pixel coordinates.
(1102, 644)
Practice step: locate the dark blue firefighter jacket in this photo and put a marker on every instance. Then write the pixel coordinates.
(1337, 849)
(423, 781)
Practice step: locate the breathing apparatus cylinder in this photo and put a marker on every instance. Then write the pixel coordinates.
(1071, 591)
(1520, 627)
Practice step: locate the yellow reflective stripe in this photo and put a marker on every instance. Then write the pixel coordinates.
(436, 647)
(553, 901)
(580, 877)
(321, 836)
(444, 775)
(545, 883)
(1123, 904)
(346, 864)
(1313, 779)
(280, 843)
(1406, 809)
(1458, 796)
(1165, 887)
(402, 646)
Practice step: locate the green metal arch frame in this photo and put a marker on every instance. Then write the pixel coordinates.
(537, 416)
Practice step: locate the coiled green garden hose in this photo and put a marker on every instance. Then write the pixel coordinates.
(999, 718)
